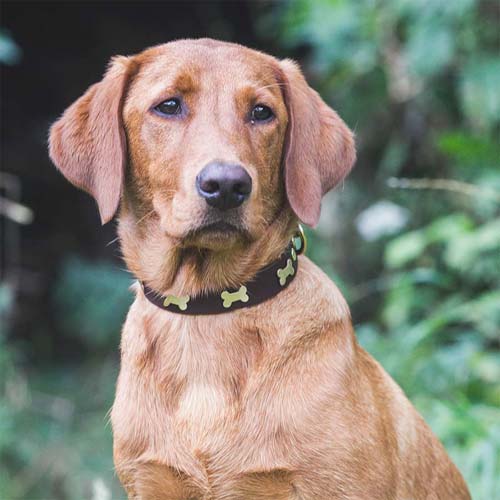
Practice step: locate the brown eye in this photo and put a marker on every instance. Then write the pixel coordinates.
(169, 107)
(261, 113)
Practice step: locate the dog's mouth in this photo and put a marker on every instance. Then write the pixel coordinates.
(213, 234)
(220, 227)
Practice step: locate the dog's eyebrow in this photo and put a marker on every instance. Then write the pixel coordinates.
(250, 92)
(276, 84)
(185, 83)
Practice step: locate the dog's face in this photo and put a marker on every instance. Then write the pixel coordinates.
(204, 143)
(205, 127)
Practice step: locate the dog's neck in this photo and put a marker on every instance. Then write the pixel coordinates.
(174, 269)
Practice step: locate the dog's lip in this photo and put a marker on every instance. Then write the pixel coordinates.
(219, 227)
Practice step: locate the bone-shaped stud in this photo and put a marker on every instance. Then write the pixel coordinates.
(283, 273)
(229, 298)
(181, 301)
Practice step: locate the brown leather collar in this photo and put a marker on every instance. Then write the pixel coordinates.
(267, 283)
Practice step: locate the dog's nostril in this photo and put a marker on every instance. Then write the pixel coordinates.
(224, 186)
(209, 186)
(242, 188)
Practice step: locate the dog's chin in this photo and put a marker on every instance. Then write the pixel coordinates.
(216, 236)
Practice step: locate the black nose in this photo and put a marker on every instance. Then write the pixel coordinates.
(224, 186)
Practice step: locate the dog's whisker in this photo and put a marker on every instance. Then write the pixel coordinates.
(114, 240)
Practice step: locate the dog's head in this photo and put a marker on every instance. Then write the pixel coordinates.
(203, 142)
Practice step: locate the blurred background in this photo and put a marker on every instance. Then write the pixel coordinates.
(412, 237)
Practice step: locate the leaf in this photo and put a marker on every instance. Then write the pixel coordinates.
(483, 313)
(449, 226)
(405, 248)
(430, 47)
(480, 81)
(468, 149)
(410, 246)
(465, 248)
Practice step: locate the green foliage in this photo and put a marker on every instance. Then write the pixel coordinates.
(480, 81)
(91, 301)
(55, 440)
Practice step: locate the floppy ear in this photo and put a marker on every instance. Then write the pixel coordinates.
(88, 145)
(319, 148)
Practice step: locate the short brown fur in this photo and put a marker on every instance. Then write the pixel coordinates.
(277, 401)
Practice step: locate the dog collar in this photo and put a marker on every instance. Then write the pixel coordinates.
(267, 283)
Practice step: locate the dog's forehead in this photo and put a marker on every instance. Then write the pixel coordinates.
(186, 63)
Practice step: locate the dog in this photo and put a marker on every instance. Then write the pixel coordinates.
(241, 377)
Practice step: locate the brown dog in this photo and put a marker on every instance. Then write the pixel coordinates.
(213, 152)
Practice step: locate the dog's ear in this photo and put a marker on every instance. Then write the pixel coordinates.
(88, 145)
(319, 147)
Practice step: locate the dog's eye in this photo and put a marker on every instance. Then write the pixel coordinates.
(261, 113)
(169, 107)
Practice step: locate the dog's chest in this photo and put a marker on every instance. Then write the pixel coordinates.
(188, 418)
(206, 454)
(200, 449)
(155, 481)
(202, 412)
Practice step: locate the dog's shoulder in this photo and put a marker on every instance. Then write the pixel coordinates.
(317, 293)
